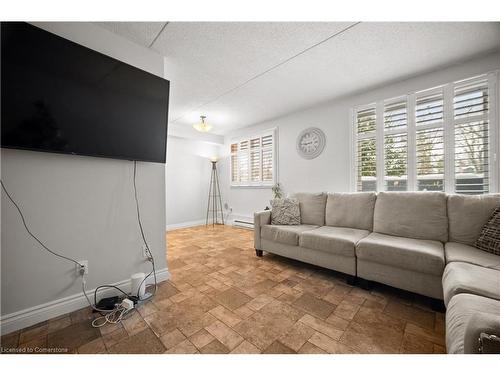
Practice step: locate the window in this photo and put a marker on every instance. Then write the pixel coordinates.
(252, 161)
(470, 119)
(441, 139)
(395, 146)
(366, 159)
(429, 127)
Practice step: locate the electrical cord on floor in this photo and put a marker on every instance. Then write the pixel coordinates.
(112, 316)
(31, 234)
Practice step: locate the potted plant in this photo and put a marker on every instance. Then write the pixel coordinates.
(277, 191)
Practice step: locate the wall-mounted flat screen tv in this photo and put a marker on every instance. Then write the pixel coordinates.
(58, 96)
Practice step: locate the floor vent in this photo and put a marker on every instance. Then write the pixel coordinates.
(243, 224)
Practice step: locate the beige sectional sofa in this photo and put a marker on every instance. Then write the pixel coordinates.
(422, 242)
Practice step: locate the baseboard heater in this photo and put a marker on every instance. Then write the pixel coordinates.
(243, 224)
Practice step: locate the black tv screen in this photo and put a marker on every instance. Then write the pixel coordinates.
(58, 96)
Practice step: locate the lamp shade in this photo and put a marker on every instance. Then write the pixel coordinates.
(202, 126)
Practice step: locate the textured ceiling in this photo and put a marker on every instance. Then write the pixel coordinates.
(238, 74)
(143, 33)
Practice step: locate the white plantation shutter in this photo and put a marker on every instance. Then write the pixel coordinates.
(243, 161)
(396, 146)
(267, 158)
(366, 158)
(252, 161)
(255, 160)
(234, 163)
(429, 108)
(441, 139)
(430, 159)
(429, 147)
(366, 121)
(471, 126)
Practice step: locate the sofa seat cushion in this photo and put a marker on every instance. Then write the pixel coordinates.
(458, 314)
(424, 256)
(457, 252)
(285, 234)
(468, 278)
(337, 240)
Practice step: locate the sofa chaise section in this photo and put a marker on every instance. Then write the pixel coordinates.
(467, 316)
(469, 278)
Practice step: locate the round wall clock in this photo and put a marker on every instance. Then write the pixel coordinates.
(310, 143)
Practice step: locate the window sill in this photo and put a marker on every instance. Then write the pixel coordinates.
(251, 186)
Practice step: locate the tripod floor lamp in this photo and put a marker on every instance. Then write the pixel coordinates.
(214, 209)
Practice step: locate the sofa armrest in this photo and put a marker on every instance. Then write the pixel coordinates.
(481, 323)
(260, 218)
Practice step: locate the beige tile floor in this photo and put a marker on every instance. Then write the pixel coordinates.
(223, 299)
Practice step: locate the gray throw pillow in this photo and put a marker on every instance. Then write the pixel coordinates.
(285, 211)
(489, 239)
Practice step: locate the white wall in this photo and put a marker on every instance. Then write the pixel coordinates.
(80, 206)
(187, 180)
(331, 170)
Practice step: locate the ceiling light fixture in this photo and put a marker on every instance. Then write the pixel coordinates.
(202, 126)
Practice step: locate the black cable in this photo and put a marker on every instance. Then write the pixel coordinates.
(150, 255)
(137, 208)
(31, 234)
(108, 286)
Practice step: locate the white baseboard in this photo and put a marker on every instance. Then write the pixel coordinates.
(185, 224)
(33, 315)
(230, 221)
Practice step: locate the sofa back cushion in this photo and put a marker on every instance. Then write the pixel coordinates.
(351, 210)
(312, 208)
(467, 215)
(420, 215)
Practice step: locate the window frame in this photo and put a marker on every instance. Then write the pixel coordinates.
(255, 184)
(448, 126)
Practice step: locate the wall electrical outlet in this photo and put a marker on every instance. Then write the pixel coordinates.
(85, 264)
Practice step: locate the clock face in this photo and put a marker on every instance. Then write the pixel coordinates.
(310, 143)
